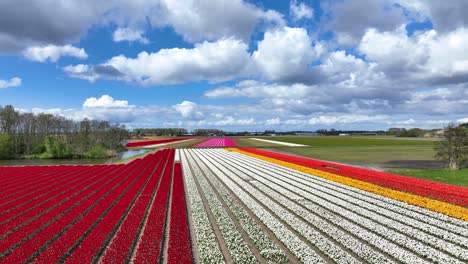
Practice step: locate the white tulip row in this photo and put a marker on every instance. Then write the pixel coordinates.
(267, 249)
(238, 249)
(328, 226)
(318, 201)
(292, 242)
(314, 237)
(415, 216)
(316, 220)
(207, 246)
(291, 183)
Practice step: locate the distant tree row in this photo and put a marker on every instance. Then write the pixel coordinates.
(171, 132)
(49, 136)
(208, 132)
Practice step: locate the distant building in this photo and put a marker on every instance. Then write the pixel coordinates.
(344, 134)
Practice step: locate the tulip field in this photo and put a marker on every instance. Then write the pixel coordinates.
(227, 205)
(217, 143)
(152, 143)
(87, 214)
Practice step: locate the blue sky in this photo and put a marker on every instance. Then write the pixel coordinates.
(238, 65)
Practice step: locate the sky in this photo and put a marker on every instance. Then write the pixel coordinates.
(238, 65)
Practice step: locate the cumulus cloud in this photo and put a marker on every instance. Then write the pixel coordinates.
(81, 71)
(300, 10)
(103, 108)
(53, 53)
(128, 34)
(255, 89)
(349, 19)
(429, 56)
(445, 16)
(105, 101)
(206, 19)
(13, 82)
(212, 61)
(284, 55)
(24, 23)
(188, 110)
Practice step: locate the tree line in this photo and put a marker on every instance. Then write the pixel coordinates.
(171, 132)
(26, 135)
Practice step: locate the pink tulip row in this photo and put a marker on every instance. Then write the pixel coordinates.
(217, 143)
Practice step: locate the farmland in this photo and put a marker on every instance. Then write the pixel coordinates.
(84, 214)
(245, 210)
(217, 143)
(351, 141)
(154, 143)
(385, 153)
(227, 205)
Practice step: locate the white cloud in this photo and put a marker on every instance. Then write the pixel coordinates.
(284, 54)
(105, 101)
(273, 122)
(188, 110)
(128, 34)
(211, 20)
(349, 19)
(13, 82)
(53, 53)
(212, 61)
(81, 71)
(25, 23)
(446, 16)
(429, 56)
(300, 10)
(254, 89)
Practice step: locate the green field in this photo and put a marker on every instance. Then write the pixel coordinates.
(457, 177)
(352, 141)
(364, 155)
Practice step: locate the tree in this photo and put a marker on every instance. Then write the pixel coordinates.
(453, 147)
(6, 146)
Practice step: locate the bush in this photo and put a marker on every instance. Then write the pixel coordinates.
(96, 152)
(56, 149)
(39, 149)
(6, 147)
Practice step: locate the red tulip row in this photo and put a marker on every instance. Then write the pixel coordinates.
(50, 196)
(120, 248)
(27, 217)
(179, 250)
(51, 230)
(444, 192)
(105, 213)
(144, 143)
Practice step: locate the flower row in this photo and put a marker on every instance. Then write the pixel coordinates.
(147, 143)
(317, 219)
(105, 213)
(267, 249)
(324, 200)
(423, 201)
(217, 143)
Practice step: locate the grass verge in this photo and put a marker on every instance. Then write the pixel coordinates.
(352, 141)
(364, 155)
(457, 177)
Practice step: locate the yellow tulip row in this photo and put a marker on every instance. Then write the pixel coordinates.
(431, 204)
